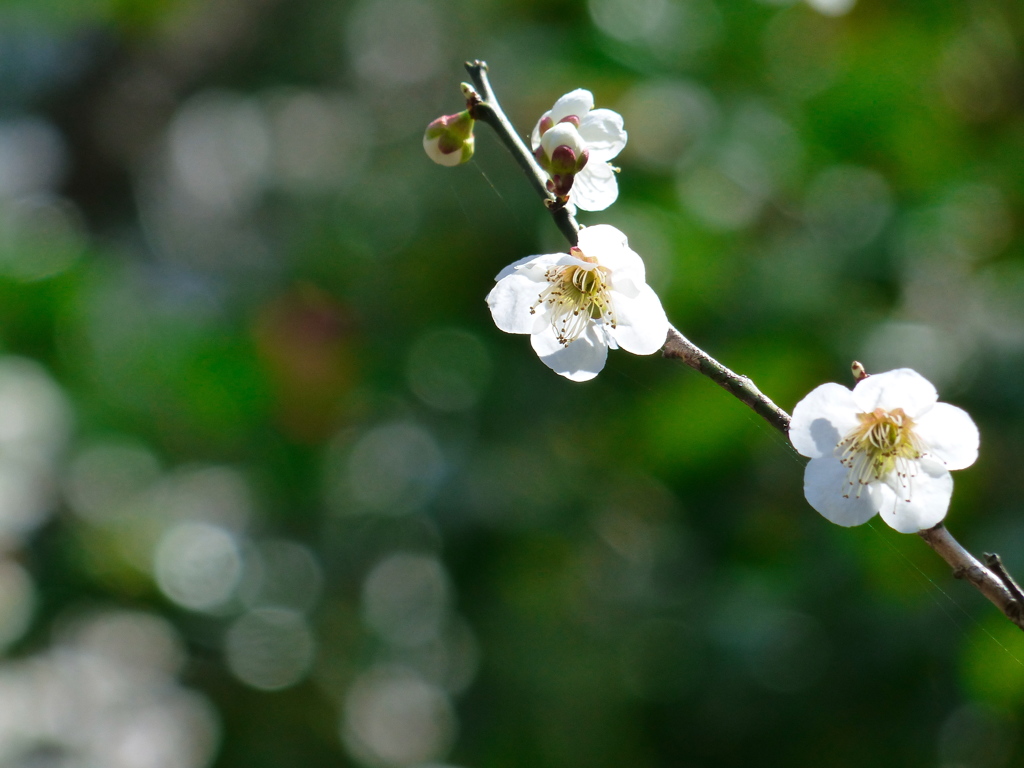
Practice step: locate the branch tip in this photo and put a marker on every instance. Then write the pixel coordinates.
(995, 564)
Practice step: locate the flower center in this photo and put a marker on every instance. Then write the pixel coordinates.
(576, 295)
(882, 443)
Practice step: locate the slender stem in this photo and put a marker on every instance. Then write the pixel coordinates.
(994, 584)
(488, 110)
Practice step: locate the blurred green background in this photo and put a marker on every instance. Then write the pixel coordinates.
(275, 492)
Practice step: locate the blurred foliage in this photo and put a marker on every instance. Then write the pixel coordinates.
(274, 491)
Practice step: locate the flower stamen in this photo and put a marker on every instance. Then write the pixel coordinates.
(884, 442)
(577, 295)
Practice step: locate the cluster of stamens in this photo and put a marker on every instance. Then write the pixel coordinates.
(884, 442)
(576, 295)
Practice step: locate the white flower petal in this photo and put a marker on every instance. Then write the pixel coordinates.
(432, 146)
(582, 360)
(545, 343)
(595, 187)
(950, 435)
(822, 419)
(510, 302)
(535, 134)
(563, 134)
(625, 286)
(825, 482)
(903, 388)
(610, 247)
(641, 324)
(603, 131)
(537, 268)
(525, 265)
(578, 102)
(923, 504)
(602, 240)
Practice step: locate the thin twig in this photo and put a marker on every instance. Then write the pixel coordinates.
(995, 584)
(679, 347)
(489, 111)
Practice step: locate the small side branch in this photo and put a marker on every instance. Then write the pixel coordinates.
(966, 566)
(995, 564)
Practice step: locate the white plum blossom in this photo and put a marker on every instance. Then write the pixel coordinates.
(595, 136)
(886, 447)
(576, 305)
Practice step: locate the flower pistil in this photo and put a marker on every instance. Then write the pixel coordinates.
(576, 294)
(883, 442)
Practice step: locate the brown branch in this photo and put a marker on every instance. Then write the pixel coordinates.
(993, 582)
(678, 347)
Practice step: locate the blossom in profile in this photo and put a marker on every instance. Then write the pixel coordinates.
(573, 142)
(449, 139)
(885, 447)
(577, 305)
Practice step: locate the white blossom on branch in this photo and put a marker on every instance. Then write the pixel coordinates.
(577, 305)
(886, 447)
(593, 136)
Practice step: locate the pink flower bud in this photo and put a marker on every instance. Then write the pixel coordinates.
(560, 185)
(449, 140)
(563, 161)
(563, 134)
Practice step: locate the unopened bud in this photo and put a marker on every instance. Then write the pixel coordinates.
(565, 161)
(560, 183)
(563, 135)
(449, 139)
(562, 153)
